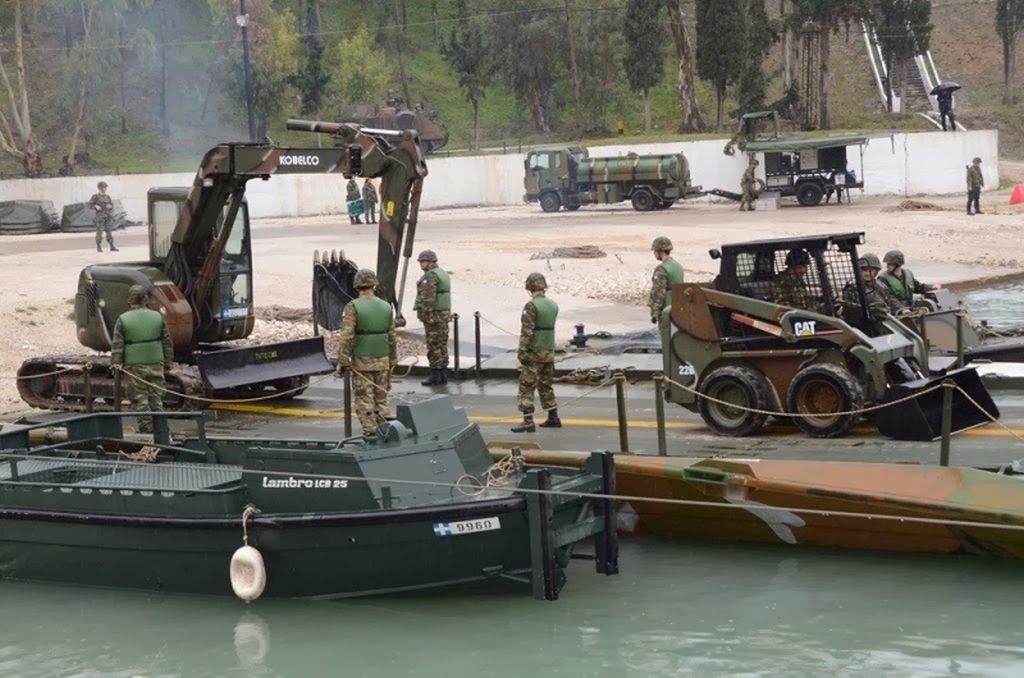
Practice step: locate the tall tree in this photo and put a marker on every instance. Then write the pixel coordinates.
(165, 123)
(826, 16)
(1009, 25)
(720, 29)
(19, 141)
(85, 63)
(574, 71)
(471, 59)
(599, 56)
(360, 70)
(904, 31)
(311, 81)
(759, 35)
(644, 60)
(690, 119)
(395, 16)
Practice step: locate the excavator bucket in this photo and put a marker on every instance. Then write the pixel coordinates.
(278, 366)
(921, 418)
(333, 275)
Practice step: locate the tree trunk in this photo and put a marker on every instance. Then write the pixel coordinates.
(22, 144)
(574, 71)
(1009, 61)
(398, 13)
(787, 49)
(120, 72)
(825, 79)
(647, 110)
(83, 87)
(720, 106)
(165, 124)
(537, 114)
(690, 119)
(475, 146)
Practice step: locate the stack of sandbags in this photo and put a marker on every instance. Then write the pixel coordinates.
(82, 217)
(21, 217)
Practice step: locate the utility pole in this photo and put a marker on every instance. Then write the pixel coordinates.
(243, 21)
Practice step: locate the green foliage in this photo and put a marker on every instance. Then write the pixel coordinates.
(904, 27)
(645, 35)
(359, 71)
(720, 41)
(599, 44)
(760, 34)
(471, 60)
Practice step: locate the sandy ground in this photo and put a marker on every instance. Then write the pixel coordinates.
(489, 253)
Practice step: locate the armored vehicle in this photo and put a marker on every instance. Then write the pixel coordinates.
(394, 115)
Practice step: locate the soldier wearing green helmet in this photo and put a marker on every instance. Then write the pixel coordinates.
(790, 287)
(901, 281)
(141, 348)
(667, 273)
(537, 356)
(367, 346)
(880, 300)
(975, 182)
(433, 308)
(104, 206)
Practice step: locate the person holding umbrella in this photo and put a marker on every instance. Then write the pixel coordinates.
(943, 93)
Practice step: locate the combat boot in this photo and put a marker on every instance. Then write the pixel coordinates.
(99, 247)
(444, 375)
(552, 421)
(113, 249)
(433, 379)
(526, 426)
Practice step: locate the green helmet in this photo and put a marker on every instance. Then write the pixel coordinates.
(977, 161)
(427, 255)
(535, 282)
(364, 278)
(137, 295)
(661, 244)
(894, 257)
(102, 184)
(798, 257)
(870, 261)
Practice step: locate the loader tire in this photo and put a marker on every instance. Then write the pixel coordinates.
(744, 387)
(818, 391)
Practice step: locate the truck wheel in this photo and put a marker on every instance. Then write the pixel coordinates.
(809, 194)
(665, 204)
(744, 389)
(550, 202)
(572, 207)
(643, 200)
(818, 391)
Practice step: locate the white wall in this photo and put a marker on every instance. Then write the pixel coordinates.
(903, 164)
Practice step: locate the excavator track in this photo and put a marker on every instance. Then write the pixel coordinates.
(59, 382)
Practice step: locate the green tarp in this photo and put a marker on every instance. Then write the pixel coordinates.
(82, 217)
(19, 217)
(806, 143)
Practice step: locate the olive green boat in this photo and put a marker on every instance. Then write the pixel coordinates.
(419, 506)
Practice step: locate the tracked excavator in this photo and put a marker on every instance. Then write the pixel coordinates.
(736, 353)
(199, 273)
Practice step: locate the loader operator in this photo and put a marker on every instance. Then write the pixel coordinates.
(667, 273)
(537, 356)
(142, 350)
(901, 281)
(367, 346)
(879, 299)
(789, 287)
(104, 206)
(433, 308)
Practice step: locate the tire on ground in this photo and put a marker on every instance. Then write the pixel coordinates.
(550, 201)
(744, 387)
(819, 390)
(643, 200)
(809, 194)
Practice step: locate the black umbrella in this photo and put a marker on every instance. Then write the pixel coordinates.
(945, 86)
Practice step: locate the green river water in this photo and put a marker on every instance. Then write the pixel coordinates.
(677, 609)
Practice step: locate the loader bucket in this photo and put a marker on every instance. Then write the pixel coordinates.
(921, 418)
(263, 364)
(332, 288)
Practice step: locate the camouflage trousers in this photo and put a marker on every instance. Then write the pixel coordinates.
(141, 385)
(371, 212)
(747, 200)
(103, 225)
(371, 389)
(435, 327)
(536, 377)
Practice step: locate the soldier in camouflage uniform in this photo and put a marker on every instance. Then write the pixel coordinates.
(901, 281)
(433, 308)
(370, 201)
(747, 184)
(880, 300)
(367, 346)
(789, 287)
(537, 356)
(104, 206)
(974, 183)
(667, 273)
(142, 349)
(354, 201)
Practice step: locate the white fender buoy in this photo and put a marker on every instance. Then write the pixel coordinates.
(248, 574)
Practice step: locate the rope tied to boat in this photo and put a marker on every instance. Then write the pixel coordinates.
(498, 475)
(247, 515)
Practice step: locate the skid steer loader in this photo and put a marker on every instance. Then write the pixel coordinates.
(737, 356)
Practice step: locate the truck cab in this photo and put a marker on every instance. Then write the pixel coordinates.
(550, 171)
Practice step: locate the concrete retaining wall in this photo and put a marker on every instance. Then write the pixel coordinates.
(903, 164)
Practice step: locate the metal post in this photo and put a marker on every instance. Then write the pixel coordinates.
(959, 338)
(924, 332)
(347, 381)
(243, 22)
(455, 341)
(947, 420)
(476, 333)
(620, 402)
(87, 378)
(659, 412)
(117, 390)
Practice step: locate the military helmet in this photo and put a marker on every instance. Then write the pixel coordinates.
(102, 184)
(977, 161)
(754, 162)
(138, 295)
(894, 257)
(870, 261)
(535, 282)
(798, 257)
(661, 244)
(364, 278)
(427, 255)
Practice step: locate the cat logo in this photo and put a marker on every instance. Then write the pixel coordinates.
(804, 328)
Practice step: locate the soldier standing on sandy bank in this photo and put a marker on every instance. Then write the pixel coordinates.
(433, 308)
(537, 356)
(104, 206)
(370, 201)
(367, 345)
(747, 184)
(975, 181)
(667, 273)
(142, 349)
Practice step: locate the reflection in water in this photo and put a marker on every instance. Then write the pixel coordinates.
(677, 609)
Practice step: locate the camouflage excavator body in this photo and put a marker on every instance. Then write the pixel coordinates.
(737, 355)
(392, 115)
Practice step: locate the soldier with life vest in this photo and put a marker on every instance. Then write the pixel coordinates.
(433, 308)
(901, 281)
(879, 299)
(368, 348)
(141, 348)
(537, 356)
(667, 273)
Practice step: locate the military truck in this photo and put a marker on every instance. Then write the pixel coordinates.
(566, 176)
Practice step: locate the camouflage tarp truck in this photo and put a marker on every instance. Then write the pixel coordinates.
(565, 176)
